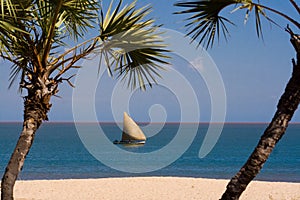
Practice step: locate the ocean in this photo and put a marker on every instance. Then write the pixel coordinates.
(59, 153)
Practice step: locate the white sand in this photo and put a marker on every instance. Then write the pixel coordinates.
(148, 188)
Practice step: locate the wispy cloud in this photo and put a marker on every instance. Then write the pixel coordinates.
(198, 63)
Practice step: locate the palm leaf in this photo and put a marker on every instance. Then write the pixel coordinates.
(206, 21)
(30, 29)
(258, 12)
(132, 44)
(13, 45)
(78, 15)
(32, 32)
(121, 20)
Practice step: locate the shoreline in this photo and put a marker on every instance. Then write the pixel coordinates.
(149, 188)
(149, 176)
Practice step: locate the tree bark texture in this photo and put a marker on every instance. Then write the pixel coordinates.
(36, 108)
(286, 107)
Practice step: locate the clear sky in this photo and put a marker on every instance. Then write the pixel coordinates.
(254, 72)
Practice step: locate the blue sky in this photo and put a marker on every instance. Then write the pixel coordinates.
(254, 73)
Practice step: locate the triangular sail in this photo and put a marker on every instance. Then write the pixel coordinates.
(131, 131)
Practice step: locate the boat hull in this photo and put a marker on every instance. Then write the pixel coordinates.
(130, 142)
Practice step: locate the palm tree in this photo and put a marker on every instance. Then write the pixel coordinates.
(206, 23)
(33, 36)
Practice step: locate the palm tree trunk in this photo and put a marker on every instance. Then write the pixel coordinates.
(286, 107)
(35, 111)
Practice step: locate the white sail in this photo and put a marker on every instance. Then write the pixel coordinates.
(131, 131)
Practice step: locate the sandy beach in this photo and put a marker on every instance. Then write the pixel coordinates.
(148, 188)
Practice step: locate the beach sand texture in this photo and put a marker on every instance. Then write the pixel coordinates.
(148, 188)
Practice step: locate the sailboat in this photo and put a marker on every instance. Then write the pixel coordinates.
(132, 134)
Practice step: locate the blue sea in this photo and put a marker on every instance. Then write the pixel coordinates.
(58, 153)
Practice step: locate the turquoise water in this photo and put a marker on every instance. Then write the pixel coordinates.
(58, 153)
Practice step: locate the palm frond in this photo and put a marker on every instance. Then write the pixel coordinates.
(258, 12)
(206, 21)
(132, 45)
(142, 63)
(295, 6)
(8, 8)
(60, 19)
(13, 45)
(15, 72)
(73, 16)
(117, 21)
(32, 31)
(78, 15)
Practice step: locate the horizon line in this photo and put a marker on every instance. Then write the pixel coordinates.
(169, 122)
